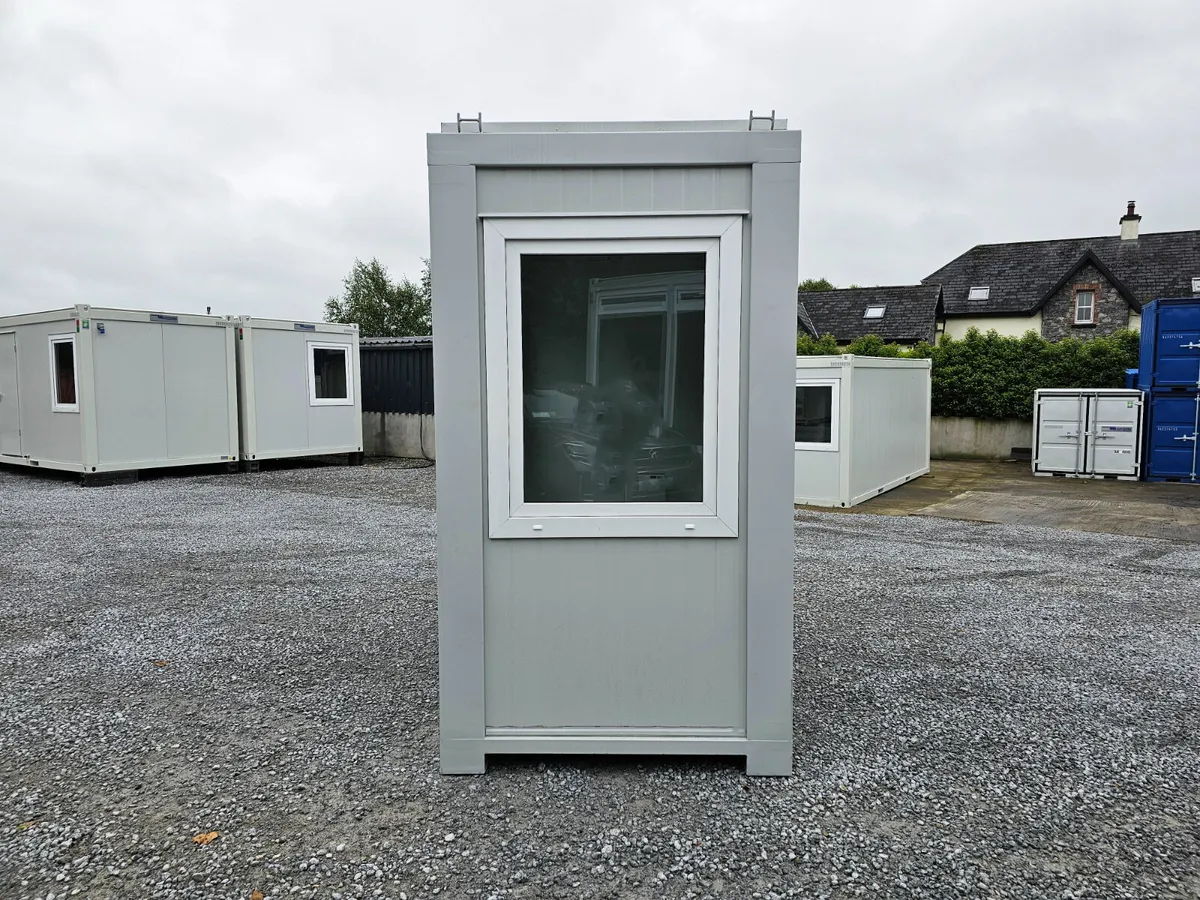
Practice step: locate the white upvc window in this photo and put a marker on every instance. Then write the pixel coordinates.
(330, 382)
(1085, 307)
(64, 378)
(612, 375)
(818, 410)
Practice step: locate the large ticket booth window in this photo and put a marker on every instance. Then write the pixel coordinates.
(612, 373)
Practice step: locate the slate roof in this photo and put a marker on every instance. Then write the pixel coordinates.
(1021, 277)
(910, 314)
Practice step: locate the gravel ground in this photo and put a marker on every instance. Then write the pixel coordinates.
(982, 711)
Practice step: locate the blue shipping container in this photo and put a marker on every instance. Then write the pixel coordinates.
(1171, 437)
(1131, 378)
(1170, 350)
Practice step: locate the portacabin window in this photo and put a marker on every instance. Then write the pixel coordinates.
(330, 382)
(1085, 304)
(817, 414)
(613, 364)
(64, 382)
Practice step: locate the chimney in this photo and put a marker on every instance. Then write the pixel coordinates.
(1129, 224)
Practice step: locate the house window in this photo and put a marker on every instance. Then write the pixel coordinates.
(64, 386)
(874, 312)
(1196, 285)
(817, 415)
(978, 293)
(1085, 306)
(612, 376)
(329, 380)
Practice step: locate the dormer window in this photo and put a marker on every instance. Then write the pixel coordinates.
(979, 293)
(874, 312)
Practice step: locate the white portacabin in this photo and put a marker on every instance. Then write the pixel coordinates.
(862, 427)
(98, 390)
(299, 389)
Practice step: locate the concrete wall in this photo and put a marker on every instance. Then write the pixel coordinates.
(952, 436)
(398, 434)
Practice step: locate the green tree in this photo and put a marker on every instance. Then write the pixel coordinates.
(816, 284)
(380, 306)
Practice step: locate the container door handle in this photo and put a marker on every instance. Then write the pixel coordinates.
(1191, 346)
(1186, 437)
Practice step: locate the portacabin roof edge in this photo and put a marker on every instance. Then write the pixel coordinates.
(613, 148)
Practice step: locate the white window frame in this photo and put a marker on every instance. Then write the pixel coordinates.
(835, 412)
(55, 406)
(719, 237)
(1196, 285)
(313, 399)
(879, 306)
(1091, 319)
(979, 292)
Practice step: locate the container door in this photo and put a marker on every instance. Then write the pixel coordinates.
(1113, 447)
(1061, 423)
(10, 408)
(1171, 438)
(1178, 338)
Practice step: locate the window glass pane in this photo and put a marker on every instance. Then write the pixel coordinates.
(329, 371)
(814, 414)
(613, 369)
(64, 372)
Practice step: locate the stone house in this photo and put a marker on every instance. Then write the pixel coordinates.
(1072, 287)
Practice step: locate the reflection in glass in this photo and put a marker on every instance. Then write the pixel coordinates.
(814, 414)
(613, 367)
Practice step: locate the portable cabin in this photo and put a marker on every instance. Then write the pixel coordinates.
(299, 389)
(614, 305)
(862, 427)
(98, 391)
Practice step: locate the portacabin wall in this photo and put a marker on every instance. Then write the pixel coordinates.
(545, 590)
(46, 435)
(890, 423)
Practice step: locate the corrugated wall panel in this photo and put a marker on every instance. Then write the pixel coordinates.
(397, 379)
(534, 191)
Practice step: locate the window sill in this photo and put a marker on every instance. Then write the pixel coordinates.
(1083, 324)
(535, 527)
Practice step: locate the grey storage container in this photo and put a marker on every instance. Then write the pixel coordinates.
(615, 539)
(1088, 432)
(299, 389)
(97, 391)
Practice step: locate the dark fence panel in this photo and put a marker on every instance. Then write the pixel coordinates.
(397, 378)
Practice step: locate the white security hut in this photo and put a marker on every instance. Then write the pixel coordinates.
(1088, 432)
(862, 427)
(614, 306)
(299, 388)
(98, 391)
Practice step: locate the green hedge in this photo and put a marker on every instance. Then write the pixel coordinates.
(993, 377)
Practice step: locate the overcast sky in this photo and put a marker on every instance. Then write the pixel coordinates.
(240, 154)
